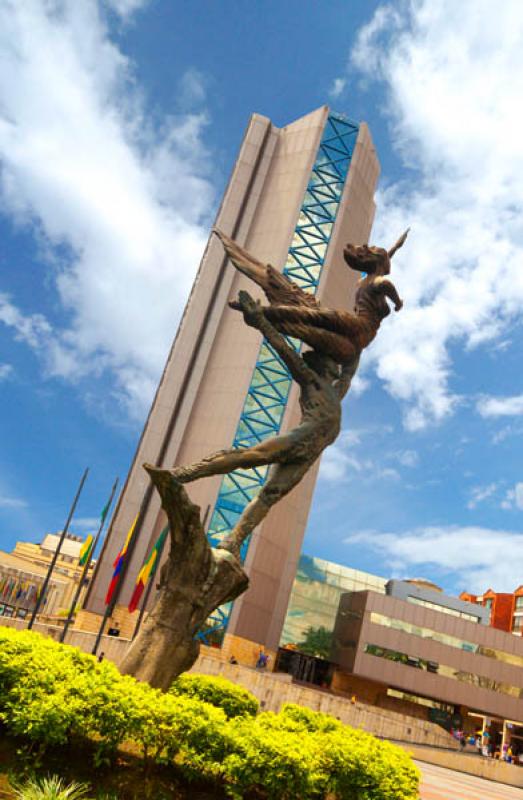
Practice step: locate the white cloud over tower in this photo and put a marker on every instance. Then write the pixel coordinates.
(119, 205)
(453, 78)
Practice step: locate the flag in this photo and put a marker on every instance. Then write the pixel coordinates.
(148, 568)
(85, 552)
(118, 563)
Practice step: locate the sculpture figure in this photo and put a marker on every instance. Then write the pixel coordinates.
(323, 384)
(196, 579)
(342, 335)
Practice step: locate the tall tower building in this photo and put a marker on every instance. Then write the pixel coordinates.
(296, 195)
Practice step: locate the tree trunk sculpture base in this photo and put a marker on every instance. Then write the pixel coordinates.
(195, 580)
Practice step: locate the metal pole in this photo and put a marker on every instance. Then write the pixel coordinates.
(107, 614)
(57, 552)
(87, 564)
(148, 590)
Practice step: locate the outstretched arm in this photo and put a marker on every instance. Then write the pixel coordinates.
(254, 316)
(386, 287)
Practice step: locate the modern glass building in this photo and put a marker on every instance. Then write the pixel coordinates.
(316, 594)
(297, 194)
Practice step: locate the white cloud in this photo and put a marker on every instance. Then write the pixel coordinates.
(478, 494)
(513, 498)
(341, 460)
(337, 87)
(12, 502)
(453, 85)
(192, 89)
(470, 557)
(31, 329)
(337, 464)
(500, 406)
(5, 371)
(407, 458)
(86, 523)
(127, 201)
(125, 8)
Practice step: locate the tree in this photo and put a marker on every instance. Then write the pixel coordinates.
(317, 642)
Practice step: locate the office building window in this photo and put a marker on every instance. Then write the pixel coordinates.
(444, 671)
(450, 641)
(517, 625)
(421, 701)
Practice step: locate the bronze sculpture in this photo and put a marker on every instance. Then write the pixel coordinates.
(340, 334)
(196, 579)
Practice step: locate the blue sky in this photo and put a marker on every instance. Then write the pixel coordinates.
(119, 124)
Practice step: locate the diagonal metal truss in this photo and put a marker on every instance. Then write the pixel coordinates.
(268, 392)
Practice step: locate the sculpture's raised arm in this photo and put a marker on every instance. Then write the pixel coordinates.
(387, 288)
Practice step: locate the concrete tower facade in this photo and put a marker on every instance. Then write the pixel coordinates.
(296, 195)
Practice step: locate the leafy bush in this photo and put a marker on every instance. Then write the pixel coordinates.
(235, 700)
(309, 720)
(341, 761)
(53, 694)
(269, 757)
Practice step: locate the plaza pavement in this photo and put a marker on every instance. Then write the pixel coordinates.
(438, 783)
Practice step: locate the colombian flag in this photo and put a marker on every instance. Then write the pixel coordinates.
(148, 568)
(118, 564)
(85, 552)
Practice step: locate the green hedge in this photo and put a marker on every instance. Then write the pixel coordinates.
(234, 700)
(53, 694)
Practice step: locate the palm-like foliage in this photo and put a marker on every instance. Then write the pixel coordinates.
(51, 788)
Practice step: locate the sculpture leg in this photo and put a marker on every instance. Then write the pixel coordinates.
(282, 479)
(224, 461)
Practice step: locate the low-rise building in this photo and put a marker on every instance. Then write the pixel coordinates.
(505, 608)
(414, 646)
(20, 585)
(23, 571)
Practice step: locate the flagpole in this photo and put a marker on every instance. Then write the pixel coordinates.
(110, 606)
(88, 561)
(148, 590)
(57, 552)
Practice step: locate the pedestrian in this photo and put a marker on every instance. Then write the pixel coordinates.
(262, 660)
(101, 657)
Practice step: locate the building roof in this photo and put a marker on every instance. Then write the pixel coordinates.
(70, 547)
(11, 561)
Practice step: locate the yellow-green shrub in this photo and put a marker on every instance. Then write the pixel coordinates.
(235, 700)
(53, 694)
